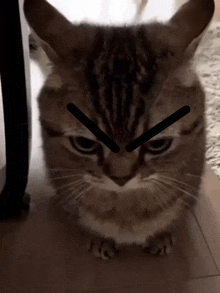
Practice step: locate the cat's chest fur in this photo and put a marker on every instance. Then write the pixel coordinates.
(132, 233)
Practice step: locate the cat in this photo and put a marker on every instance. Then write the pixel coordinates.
(125, 79)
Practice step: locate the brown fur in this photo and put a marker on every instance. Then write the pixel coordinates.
(125, 79)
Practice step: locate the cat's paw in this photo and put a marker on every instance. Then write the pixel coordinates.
(102, 248)
(160, 245)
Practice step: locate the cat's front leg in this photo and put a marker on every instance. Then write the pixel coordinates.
(160, 245)
(102, 248)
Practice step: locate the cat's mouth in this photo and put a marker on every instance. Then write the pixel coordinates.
(108, 184)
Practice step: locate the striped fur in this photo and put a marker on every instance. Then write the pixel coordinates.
(117, 71)
(122, 95)
(126, 80)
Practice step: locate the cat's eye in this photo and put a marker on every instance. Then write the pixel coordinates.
(84, 145)
(158, 146)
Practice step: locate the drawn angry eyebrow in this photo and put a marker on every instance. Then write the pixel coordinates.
(135, 143)
(93, 128)
(158, 128)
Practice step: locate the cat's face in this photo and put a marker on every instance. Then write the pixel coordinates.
(126, 80)
(122, 90)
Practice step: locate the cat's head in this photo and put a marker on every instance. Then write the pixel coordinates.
(126, 80)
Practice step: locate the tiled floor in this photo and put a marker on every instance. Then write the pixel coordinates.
(46, 254)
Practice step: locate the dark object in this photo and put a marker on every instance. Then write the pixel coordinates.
(93, 128)
(15, 107)
(158, 128)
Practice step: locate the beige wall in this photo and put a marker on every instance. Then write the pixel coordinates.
(178, 3)
(217, 9)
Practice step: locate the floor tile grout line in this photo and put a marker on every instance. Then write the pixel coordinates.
(201, 230)
(135, 287)
(206, 277)
(124, 287)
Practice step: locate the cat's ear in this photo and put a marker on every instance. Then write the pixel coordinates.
(61, 36)
(190, 22)
(35, 44)
(181, 35)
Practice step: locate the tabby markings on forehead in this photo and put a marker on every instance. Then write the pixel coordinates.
(105, 108)
(131, 117)
(114, 81)
(140, 127)
(114, 103)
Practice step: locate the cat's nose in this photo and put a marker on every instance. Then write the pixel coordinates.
(120, 180)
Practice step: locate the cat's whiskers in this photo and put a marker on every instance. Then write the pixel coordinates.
(161, 202)
(73, 191)
(82, 193)
(193, 175)
(72, 187)
(62, 169)
(192, 196)
(67, 176)
(69, 184)
(178, 181)
(174, 173)
(161, 184)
